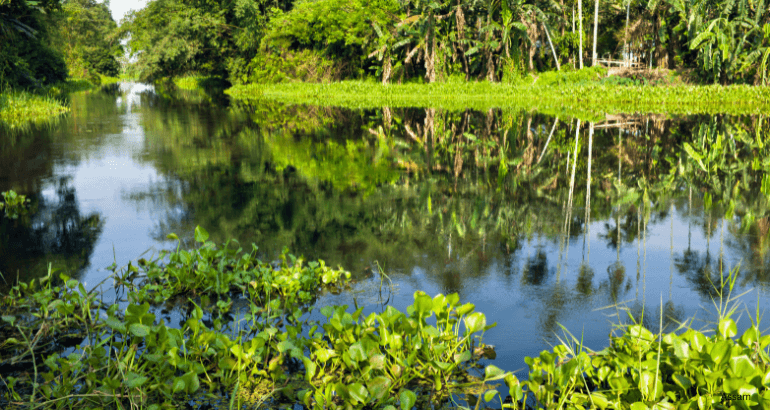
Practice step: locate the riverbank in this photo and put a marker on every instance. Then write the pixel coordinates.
(580, 98)
(19, 108)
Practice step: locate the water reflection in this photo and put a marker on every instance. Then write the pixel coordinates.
(58, 233)
(537, 220)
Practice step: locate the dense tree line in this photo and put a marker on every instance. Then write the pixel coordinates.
(432, 40)
(44, 41)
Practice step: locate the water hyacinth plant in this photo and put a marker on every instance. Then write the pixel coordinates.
(128, 357)
(14, 205)
(264, 352)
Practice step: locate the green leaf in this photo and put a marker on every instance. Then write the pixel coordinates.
(377, 361)
(423, 303)
(192, 384)
(742, 366)
(639, 406)
(462, 357)
(489, 395)
(172, 236)
(379, 387)
(358, 392)
(695, 155)
(200, 234)
(134, 380)
(727, 328)
(493, 372)
(681, 348)
(682, 381)
(408, 398)
(115, 324)
(139, 330)
(475, 322)
(750, 336)
(356, 352)
(178, 385)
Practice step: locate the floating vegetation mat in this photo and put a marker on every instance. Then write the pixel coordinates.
(582, 100)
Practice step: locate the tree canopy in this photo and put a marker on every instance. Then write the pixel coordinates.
(406, 40)
(44, 41)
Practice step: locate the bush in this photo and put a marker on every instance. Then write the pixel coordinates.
(287, 66)
(577, 77)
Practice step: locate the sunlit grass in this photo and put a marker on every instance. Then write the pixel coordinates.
(18, 108)
(191, 82)
(578, 99)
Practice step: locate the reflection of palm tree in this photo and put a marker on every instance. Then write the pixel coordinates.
(617, 277)
(536, 269)
(699, 271)
(585, 280)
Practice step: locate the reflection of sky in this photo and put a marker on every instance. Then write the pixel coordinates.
(105, 172)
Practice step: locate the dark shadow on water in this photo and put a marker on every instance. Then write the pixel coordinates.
(55, 233)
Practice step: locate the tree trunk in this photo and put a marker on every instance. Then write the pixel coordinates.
(580, 31)
(596, 30)
(430, 51)
(553, 50)
(626, 52)
(387, 69)
(490, 55)
(460, 19)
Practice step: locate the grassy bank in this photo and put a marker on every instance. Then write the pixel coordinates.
(19, 108)
(580, 98)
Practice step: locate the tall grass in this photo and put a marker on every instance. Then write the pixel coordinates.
(21, 107)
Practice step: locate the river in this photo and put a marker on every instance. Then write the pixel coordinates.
(490, 205)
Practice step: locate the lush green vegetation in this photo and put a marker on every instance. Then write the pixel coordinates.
(52, 47)
(554, 95)
(21, 107)
(259, 41)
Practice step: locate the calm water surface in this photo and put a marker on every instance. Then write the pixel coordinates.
(421, 192)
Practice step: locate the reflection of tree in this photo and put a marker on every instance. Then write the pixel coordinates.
(404, 186)
(649, 317)
(56, 233)
(701, 271)
(535, 269)
(616, 281)
(585, 280)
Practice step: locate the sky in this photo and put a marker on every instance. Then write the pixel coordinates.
(120, 7)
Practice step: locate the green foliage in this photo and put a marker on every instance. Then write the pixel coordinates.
(18, 108)
(586, 76)
(26, 58)
(171, 38)
(291, 66)
(140, 361)
(87, 35)
(14, 205)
